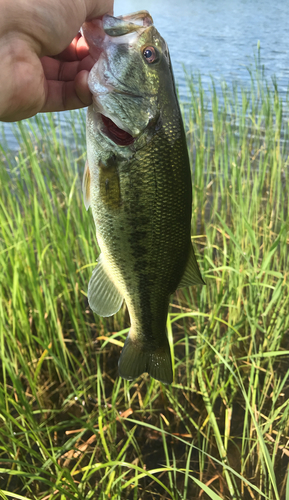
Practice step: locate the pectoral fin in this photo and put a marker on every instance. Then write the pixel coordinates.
(86, 186)
(192, 275)
(103, 296)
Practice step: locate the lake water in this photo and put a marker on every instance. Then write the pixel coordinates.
(216, 38)
(220, 38)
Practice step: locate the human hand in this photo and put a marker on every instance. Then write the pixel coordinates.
(44, 61)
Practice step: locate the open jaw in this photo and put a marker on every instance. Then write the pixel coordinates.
(116, 134)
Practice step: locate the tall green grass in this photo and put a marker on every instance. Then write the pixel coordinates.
(69, 427)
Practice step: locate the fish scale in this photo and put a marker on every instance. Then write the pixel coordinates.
(140, 190)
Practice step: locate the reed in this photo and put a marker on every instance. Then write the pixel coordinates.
(69, 427)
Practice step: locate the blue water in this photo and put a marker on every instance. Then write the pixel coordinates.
(219, 37)
(216, 38)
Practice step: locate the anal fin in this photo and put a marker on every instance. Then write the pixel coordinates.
(103, 296)
(192, 275)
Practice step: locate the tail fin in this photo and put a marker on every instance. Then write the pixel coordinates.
(137, 358)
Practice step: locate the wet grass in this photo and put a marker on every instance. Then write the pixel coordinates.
(69, 427)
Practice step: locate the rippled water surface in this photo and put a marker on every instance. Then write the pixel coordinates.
(217, 38)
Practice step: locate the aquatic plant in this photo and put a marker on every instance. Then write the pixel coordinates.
(70, 428)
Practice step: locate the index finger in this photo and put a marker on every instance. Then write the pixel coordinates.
(76, 50)
(99, 8)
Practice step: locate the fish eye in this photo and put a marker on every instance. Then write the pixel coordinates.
(150, 54)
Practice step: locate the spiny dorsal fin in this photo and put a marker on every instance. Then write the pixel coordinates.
(103, 296)
(192, 275)
(86, 186)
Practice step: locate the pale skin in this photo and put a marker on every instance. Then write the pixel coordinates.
(44, 62)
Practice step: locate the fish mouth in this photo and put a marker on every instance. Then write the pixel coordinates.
(116, 134)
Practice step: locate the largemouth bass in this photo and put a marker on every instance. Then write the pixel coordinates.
(138, 183)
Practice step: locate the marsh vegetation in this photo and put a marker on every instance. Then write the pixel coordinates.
(70, 428)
